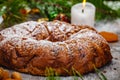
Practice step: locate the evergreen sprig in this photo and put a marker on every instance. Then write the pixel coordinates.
(52, 75)
(10, 9)
(51, 8)
(100, 74)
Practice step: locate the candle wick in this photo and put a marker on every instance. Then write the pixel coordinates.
(82, 10)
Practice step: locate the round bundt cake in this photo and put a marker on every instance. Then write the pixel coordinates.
(31, 47)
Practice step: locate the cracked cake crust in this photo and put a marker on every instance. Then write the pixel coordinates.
(31, 47)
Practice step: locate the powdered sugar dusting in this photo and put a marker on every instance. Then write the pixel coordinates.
(25, 35)
(33, 46)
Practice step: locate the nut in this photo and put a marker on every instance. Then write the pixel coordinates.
(9, 79)
(3, 74)
(16, 75)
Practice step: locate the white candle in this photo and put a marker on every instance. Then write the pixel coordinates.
(83, 16)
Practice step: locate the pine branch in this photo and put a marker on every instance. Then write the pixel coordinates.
(10, 9)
